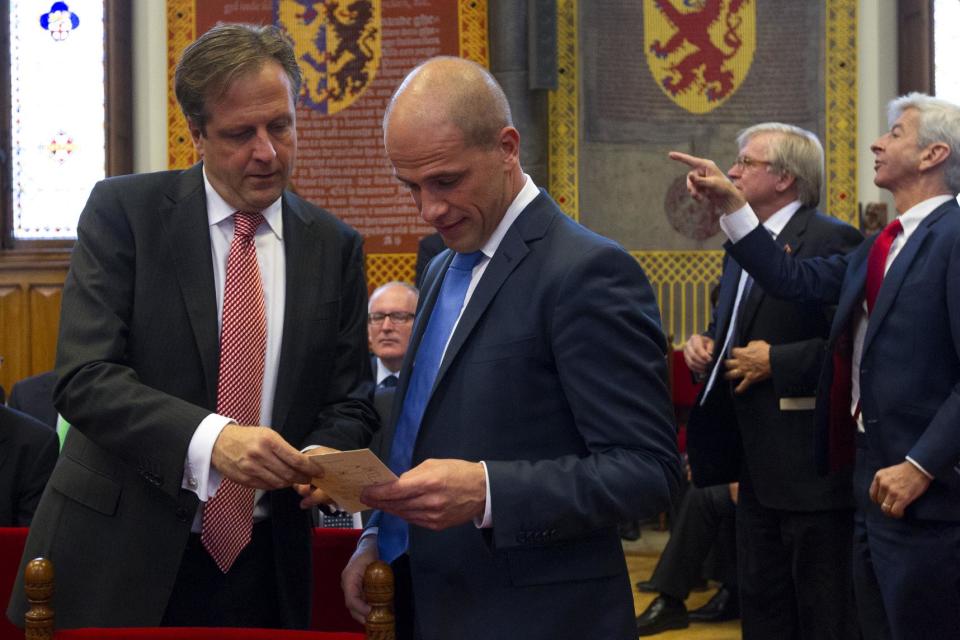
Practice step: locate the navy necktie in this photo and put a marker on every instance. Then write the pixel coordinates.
(389, 382)
(392, 535)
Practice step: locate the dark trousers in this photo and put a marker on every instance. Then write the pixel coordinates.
(403, 599)
(795, 579)
(245, 596)
(906, 572)
(700, 522)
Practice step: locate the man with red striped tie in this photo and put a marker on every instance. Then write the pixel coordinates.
(214, 325)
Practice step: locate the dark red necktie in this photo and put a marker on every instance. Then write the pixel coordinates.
(842, 422)
(228, 515)
(877, 260)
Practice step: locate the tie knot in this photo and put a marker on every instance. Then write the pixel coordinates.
(389, 382)
(245, 223)
(466, 261)
(893, 228)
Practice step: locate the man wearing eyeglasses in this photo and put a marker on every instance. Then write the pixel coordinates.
(390, 319)
(753, 421)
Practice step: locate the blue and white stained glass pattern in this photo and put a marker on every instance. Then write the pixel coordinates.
(57, 113)
(946, 43)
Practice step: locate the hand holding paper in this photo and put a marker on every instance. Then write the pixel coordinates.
(343, 475)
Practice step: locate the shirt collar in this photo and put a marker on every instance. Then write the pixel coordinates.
(913, 216)
(218, 210)
(383, 372)
(779, 220)
(527, 194)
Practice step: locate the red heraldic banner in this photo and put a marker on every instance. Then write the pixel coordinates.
(353, 53)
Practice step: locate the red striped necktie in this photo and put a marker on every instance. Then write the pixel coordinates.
(228, 515)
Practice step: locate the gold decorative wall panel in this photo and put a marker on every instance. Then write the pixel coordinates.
(564, 115)
(181, 31)
(474, 43)
(682, 281)
(841, 109)
(386, 267)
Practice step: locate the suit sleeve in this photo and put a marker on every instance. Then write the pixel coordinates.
(609, 353)
(938, 448)
(347, 420)
(98, 391)
(795, 366)
(816, 279)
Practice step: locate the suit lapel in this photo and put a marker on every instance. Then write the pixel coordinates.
(894, 277)
(303, 252)
(428, 298)
(187, 234)
(509, 254)
(791, 236)
(729, 281)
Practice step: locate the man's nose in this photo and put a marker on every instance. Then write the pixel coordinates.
(263, 148)
(431, 207)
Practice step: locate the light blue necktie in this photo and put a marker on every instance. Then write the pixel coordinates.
(392, 536)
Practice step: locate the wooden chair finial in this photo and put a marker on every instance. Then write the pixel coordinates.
(38, 585)
(378, 590)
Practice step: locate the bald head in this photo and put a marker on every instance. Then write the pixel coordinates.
(452, 90)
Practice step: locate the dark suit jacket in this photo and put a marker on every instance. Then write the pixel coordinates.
(556, 377)
(137, 364)
(427, 249)
(34, 396)
(748, 437)
(28, 451)
(910, 368)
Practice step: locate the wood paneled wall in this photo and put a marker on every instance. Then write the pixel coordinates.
(31, 284)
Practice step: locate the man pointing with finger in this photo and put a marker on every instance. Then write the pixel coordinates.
(888, 398)
(753, 422)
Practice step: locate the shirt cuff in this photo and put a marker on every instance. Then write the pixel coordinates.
(739, 223)
(919, 468)
(199, 475)
(487, 521)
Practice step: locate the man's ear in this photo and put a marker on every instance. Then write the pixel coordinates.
(509, 143)
(196, 136)
(785, 181)
(933, 155)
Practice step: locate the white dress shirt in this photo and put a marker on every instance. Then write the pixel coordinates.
(383, 372)
(198, 475)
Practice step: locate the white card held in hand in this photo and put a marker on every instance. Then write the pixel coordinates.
(346, 473)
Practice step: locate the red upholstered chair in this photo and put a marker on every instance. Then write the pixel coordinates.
(11, 549)
(684, 391)
(331, 550)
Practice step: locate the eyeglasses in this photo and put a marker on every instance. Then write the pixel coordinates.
(396, 317)
(745, 162)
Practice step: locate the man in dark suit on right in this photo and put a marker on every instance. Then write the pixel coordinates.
(753, 421)
(889, 390)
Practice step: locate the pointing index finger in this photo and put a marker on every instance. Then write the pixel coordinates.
(687, 159)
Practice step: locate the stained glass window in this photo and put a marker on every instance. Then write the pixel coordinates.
(57, 113)
(946, 41)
